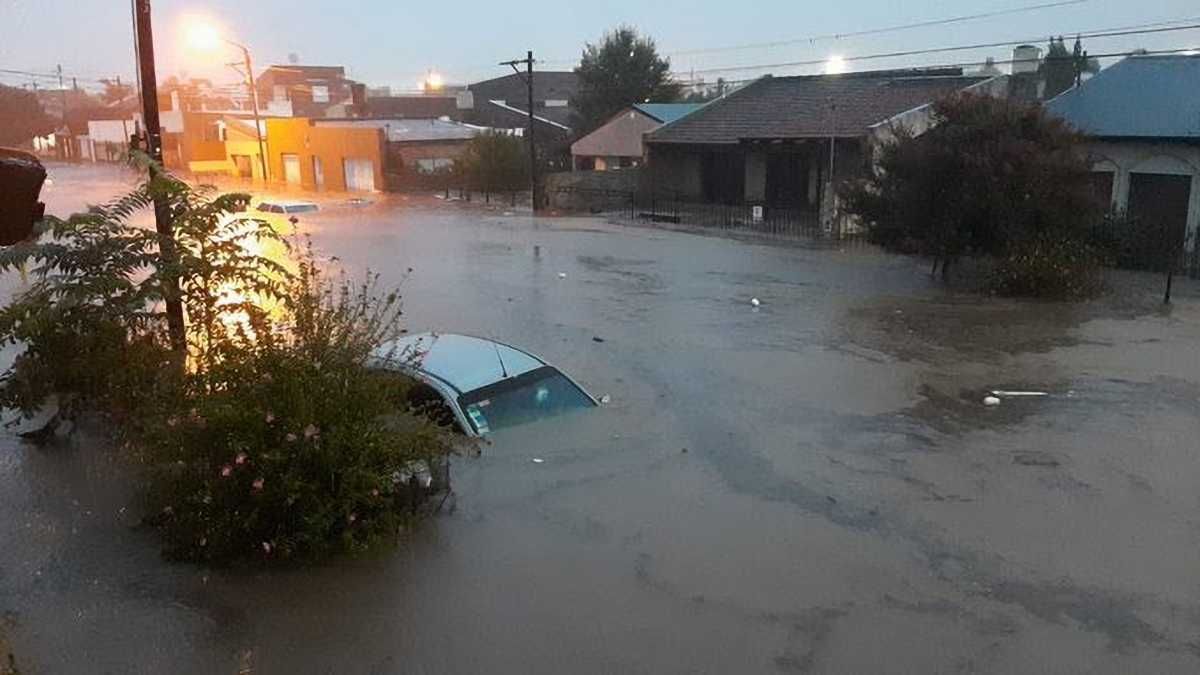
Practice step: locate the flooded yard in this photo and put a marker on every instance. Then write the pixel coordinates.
(812, 484)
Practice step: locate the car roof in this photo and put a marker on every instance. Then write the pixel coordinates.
(464, 362)
(286, 202)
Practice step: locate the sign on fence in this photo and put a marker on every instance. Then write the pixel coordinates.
(756, 213)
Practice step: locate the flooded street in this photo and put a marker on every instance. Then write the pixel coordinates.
(812, 485)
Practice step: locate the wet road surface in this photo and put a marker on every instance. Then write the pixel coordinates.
(809, 486)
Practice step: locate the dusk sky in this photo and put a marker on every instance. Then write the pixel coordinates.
(394, 43)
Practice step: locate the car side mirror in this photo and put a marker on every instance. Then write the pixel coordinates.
(21, 180)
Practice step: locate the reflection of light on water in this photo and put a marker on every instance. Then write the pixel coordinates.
(230, 296)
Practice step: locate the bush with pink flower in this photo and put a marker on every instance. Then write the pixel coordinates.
(265, 437)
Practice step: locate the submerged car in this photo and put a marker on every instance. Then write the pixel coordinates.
(287, 207)
(484, 385)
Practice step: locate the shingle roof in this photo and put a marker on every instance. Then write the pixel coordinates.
(809, 106)
(1140, 96)
(667, 112)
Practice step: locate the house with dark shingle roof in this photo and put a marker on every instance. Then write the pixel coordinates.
(617, 143)
(1142, 117)
(770, 142)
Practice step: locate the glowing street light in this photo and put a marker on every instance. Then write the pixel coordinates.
(433, 81)
(204, 36)
(835, 65)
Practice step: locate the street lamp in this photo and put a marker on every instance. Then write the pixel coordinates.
(205, 37)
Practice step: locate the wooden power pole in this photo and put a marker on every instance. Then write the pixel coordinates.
(528, 77)
(153, 145)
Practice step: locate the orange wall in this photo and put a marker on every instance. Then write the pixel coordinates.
(297, 136)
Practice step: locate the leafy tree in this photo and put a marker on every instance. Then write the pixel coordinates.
(21, 117)
(623, 69)
(495, 162)
(115, 90)
(991, 174)
(1058, 68)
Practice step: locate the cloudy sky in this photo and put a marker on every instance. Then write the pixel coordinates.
(396, 42)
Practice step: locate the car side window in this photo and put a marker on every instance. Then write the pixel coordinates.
(425, 400)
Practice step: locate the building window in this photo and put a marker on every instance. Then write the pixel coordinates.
(320, 93)
(279, 92)
(211, 132)
(428, 166)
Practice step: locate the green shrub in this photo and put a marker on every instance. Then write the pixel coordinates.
(1050, 265)
(269, 439)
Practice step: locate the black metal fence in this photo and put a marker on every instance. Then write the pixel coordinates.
(1134, 244)
(675, 209)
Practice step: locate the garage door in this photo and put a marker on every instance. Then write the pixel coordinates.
(360, 174)
(1160, 202)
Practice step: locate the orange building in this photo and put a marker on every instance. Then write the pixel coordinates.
(326, 156)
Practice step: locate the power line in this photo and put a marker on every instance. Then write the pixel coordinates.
(993, 62)
(878, 31)
(869, 31)
(936, 50)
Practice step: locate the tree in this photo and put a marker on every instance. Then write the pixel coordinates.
(115, 90)
(495, 161)
(991, 174)
(623, 69)
(21, 117)
(1059, 69)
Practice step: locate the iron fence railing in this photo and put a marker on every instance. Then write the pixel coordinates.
(673, 208)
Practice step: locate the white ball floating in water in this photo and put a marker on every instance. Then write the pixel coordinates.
(755, 302)
(991, 401)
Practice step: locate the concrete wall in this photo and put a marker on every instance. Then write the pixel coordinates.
(591, 190)
(1124, 158)
(333, 145)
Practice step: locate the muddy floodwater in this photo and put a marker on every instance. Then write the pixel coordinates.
(812, 485)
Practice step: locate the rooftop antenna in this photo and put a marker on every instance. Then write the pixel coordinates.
(503, 370)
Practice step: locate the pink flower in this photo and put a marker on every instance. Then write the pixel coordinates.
(270, 417)
(240, 459)
(226, 471)
(171, 421)
(258, 483)
(375, 492)
(266, 547)
(291, 438)
(311, 431)
(352, 517)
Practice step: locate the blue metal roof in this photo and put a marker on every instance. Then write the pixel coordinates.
(1139, 96)
(667, 112)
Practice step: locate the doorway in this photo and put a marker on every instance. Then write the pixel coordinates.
(318, 173)
(291, 169)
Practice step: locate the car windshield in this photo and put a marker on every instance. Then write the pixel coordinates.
(538, 394)
(300, 208)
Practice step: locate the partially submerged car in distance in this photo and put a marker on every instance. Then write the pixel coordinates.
(288, 207)
(480, 384)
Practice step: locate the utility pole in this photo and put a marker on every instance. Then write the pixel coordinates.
(62, 93)
(153, 145)
(528, 77)
(262, 152)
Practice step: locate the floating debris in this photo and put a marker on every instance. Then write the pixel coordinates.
(755, 302)
(991, 401)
